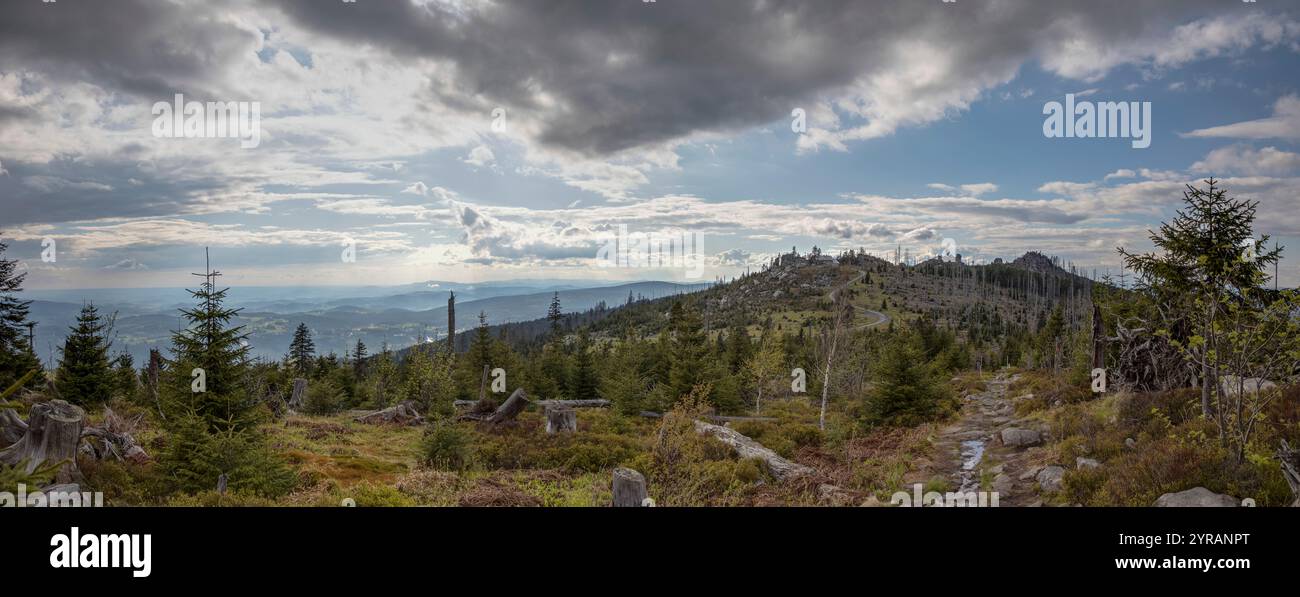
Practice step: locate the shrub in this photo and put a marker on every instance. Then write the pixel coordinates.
(447, 446)
(323, 398)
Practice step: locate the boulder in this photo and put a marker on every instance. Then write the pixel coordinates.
(1197, 497)
(1003, 483)
(1085, 463)
(1231, 385)
(1049, 479)
(1018, 438)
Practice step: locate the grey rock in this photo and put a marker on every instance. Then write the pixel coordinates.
(1085, 463)
(1016, 437)
(1049, 479)
(1197, 497)
(1130, 443)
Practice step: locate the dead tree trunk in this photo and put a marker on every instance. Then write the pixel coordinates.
(561, 419)
(629, 488)
(745, 447)
(508, 411)
(151, 379)
(1098, 340)
(1290, 459)
(299, 395)
(53, 435)
(473, 404)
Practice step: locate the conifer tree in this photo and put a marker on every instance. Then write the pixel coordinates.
(689, 348)
(213, 423)
(17, 358)
(583, 382)
(1208, 257)
(555, 315)
(84, 376)
(359, 359)
(302, 350)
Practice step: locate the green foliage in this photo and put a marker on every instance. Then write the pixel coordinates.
(907, 392)
(447, 446)
(214, 430)
(323, 398)
(302, 351)
(16, 357)
(84, 376)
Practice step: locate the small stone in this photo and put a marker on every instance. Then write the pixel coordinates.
(1197, 497)
(1049, 479)
(1085, 463)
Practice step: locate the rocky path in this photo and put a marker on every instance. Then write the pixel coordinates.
(988, 449)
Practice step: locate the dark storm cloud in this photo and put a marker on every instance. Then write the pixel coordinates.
(142, 47)
(625, 74)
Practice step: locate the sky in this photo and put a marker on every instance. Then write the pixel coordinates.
(404, 141)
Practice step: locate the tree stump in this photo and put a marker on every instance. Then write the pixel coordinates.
(561, 419)
(12, 427)
(629, 488)
(299, 395)
(53, 435)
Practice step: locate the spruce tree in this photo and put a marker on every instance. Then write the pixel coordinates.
(359, 359)
(555, 315)
(583, 382)
(84, 376)
(17, 358)
(302, 351)
(689, 348)
(213, 423)
(1209, 257)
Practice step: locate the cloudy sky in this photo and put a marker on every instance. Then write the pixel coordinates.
(464, 140)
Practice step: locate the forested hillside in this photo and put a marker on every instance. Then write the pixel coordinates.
(817, 380)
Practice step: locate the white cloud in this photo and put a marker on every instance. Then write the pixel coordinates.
(1284, 124)
(481, 156)
(1242, 159)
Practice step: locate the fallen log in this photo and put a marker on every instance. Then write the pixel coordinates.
(53, 435)
(745, 447)
(115, 438)
(463, 404)
(508, 410)
(402, 414)
(719, 419)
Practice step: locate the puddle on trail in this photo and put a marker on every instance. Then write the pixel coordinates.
(972, 451)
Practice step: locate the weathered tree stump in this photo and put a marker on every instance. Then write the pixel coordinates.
(12, 427)
(299, 395)
(629, 488)
(53, 436)
(561, 419)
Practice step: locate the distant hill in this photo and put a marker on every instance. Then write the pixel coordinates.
(337, 323)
